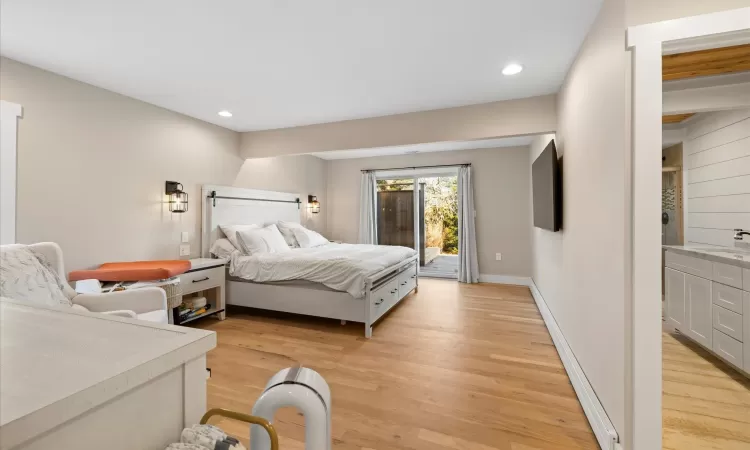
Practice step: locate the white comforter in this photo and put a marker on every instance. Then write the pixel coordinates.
(343, 267)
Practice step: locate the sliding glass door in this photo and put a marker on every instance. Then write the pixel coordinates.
(420, 212)
(397, 207)
(439, 221)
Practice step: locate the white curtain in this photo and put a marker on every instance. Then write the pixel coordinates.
(368, 214)
(468, 268)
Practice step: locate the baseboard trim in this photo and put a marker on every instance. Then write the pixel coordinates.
(603, 429)
(504, 279)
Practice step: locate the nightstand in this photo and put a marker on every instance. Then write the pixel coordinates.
(207, 275)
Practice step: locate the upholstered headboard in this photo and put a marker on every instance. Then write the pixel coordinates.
(226, 205)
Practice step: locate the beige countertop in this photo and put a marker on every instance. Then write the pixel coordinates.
(57, 363)
(727, 255)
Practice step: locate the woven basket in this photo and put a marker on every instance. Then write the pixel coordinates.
(173, 289)
(170, 286)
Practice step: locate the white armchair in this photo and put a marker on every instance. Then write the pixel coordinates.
(148, 303)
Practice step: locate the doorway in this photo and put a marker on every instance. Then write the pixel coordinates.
(439, 220)
(649, 43)
(420, 211)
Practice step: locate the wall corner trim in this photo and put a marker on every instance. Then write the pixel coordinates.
(12, 109)
(504, 279)
(603, 429)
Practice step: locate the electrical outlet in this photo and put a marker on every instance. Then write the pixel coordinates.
(184, 237)
(498, 256)
(185, 250)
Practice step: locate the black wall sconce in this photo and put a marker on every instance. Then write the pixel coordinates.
(313, 204)
(178, 199)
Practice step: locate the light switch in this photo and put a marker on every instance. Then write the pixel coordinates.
(184, 249)
(498, 256)
(184, 238)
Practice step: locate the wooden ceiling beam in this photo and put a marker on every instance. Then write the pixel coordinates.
(703, 63)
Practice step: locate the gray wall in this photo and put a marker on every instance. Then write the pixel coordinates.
(502, 190)
(301, 174)
(92, 166)
(488, 120)
(581, 270)
(647, 11)
(547, 249)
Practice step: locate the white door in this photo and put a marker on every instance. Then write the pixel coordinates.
(698, 304)
(9, 113)
(674, 285)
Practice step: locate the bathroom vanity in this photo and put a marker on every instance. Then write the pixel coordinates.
(707, 291)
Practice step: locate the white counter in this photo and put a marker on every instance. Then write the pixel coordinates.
(727, 255)
(85, 380)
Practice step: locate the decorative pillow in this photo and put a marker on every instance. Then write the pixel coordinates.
(286, 230)
(223, 248)
(25, 278)
(308, 238)
(262, 240)
(230, 231)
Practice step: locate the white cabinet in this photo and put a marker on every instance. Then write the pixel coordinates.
(86, 381)
(674, 284)
(728, 274)
(698, 306)
(709, 302)
(729, 349)
(727, 297)
(208, 276)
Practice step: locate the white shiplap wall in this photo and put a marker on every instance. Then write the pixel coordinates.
(716, 156)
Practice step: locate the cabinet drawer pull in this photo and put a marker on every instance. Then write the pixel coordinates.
(379, 302)
(394, 291)
(202, 279)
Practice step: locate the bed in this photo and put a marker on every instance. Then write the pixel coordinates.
(379, 277)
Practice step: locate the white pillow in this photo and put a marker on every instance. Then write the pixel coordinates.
(308, 238)
(223, 248)
(262, 240)
(230, 231)
(286, 230)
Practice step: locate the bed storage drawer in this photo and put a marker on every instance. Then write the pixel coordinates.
(407, 280)
(383, 298)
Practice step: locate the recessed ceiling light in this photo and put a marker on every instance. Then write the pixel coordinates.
(512, 69)
(225, 114)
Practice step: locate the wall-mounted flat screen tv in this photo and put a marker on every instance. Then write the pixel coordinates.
(547, 189)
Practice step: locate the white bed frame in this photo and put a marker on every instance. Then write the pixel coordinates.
(383, 290)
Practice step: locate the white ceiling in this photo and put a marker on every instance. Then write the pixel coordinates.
(279, 63)
(425, 148)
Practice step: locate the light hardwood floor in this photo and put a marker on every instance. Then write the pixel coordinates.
(456, 366)
(706, 404)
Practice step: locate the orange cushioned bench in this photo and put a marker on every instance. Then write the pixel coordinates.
(133, 271)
